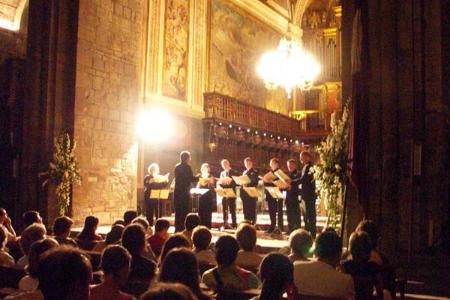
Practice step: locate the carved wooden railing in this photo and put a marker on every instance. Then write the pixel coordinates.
(231, 110)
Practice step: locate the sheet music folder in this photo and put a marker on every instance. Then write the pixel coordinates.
(282, 176)
(274, 192)
(226, 193)
(198, 191)
(251, 191)
(159, 194)
(241, 180)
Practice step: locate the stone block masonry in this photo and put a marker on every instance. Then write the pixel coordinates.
(107, 84)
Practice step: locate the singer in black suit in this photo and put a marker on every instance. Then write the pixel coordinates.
(151, 205)
(249, 203)
(275, 205)
(308, 192)
(292, 193)
(228, 203)
(181, 197)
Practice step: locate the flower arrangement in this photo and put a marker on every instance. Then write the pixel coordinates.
(63, 171)
(331, 173)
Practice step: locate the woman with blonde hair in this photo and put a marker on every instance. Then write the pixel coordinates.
(205, 202)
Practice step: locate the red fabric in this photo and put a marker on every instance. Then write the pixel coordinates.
(157, 243)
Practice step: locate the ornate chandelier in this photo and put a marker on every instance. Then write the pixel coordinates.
(288, 66)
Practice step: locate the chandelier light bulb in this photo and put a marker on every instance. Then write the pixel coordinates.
(288, 67)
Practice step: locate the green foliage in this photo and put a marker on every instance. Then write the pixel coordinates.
(63, 170)
(331, 173)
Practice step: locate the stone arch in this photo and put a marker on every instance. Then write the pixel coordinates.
(300, 9)
(11, 12)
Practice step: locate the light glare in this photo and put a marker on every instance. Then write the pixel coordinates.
(154, 126)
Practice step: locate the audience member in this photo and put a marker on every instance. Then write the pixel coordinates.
(142, 270)
(30, 282)
(157, 240)
(177, 240)
(300, 242)
(88, 238)
(169, 291)
(371, 229)
(64, 274)
(201, 237)
(129, 216)
(31, 234)
(320, 277)
(119, 222)
(5, 223)
(227, 275)
(366, 274)
(31, 217)
(115, 264)
(247, 258)
(144, 222)
(192, 220)
(113, 237)
(180, 266)
(61, 230)
(277, 276)
(6, 260)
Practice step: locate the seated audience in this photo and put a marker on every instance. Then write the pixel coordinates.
(142, 269)
(177, 240)
(277, 276)
(157, 240)
(119, 222)
(371, 229)
(61, 230)
(366, 274)
(112, 238)
(300, 242)
(201, 237)
(88, 237)
(148, 230)
(31, 217)
(6, 260)
(30, 282)
(247, 258)
(169, 291)
(320, 277)
(5, 223)
(64, 274)
(31, 234)
(129, 216)
(227, 275)
(116, 267)
(180, 266)
(192, 220)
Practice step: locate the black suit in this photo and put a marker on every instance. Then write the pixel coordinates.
(275, 207)
(249, 203)
(308, 193)
(151, 205)
(229, 204)
(181, 197)
(292, 203)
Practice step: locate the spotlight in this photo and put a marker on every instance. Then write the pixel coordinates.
(248, 130)
(154, 126)
(231, 126)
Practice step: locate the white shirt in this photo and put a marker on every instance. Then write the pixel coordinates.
(320, 279)
(248, 259)
(206, 257)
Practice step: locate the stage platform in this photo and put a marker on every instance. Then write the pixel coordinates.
(266, 242)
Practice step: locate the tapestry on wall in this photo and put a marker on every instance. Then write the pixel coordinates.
(176, 42)
(237, 42)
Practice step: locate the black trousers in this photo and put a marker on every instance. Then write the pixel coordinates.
(182, 207)
(249, 207)
(151, 210)
(229, 206)
(310, 216)
(293, 214)
(275, 210)
(205, 204)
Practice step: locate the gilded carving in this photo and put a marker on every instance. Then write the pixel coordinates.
(176, 42)
(237, 42)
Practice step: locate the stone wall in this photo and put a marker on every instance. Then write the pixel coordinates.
(107, 94)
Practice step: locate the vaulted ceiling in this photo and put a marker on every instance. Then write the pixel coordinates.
(11, 13)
